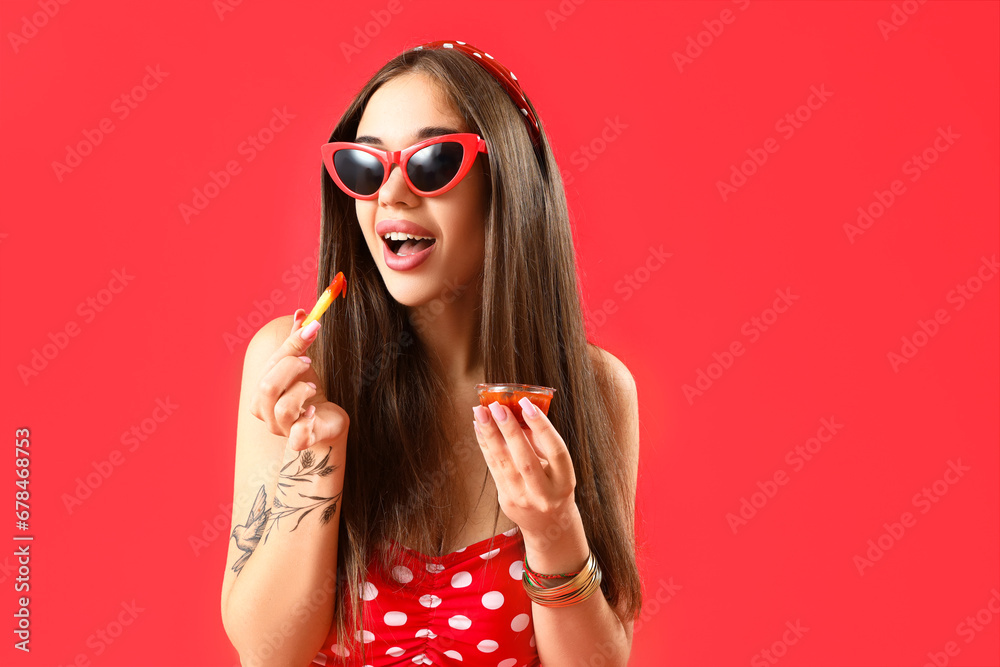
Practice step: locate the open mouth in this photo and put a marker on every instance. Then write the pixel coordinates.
(407, 244)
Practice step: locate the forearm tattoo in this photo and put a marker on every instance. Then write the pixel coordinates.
(262, 520)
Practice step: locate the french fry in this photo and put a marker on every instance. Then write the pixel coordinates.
(338, 286)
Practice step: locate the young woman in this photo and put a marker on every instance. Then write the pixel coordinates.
(381, 516)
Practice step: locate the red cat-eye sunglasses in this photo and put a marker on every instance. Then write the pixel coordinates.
(430, 167)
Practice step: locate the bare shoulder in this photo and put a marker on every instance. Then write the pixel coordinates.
(624, 383)
(272, 334)
(264, 343)
(626, 399)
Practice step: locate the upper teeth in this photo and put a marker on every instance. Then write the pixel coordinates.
(400, 236)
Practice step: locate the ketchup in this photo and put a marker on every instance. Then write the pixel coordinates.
(510, 394)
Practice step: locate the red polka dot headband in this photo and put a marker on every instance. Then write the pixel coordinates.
(503, 75)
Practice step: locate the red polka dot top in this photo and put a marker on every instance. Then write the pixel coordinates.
(465, 608)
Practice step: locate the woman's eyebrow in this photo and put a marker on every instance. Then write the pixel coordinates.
(421, 134)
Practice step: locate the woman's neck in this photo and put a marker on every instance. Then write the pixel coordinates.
(450, 334)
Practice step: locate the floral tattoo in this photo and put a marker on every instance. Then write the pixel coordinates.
(248, 535)
(306, 467)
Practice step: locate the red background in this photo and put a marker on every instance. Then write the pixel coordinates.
(714, 597)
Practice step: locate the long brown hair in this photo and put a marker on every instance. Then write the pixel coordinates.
(399, 482)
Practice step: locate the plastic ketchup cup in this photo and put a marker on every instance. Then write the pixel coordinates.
(509, 395)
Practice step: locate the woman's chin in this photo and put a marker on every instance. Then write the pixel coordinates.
(424, 302)
(412, 296)
(428, 290)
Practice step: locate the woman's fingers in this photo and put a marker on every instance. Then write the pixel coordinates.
(302, 433)
(545, 439)
(276, 402)
(537, 456)
(295, 345)
(320, 423)
(484, 445)
(538, 451)
(292, 405)
(510, 450)
(280, 397)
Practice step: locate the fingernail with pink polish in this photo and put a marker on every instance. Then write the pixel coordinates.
(498, 412)
(309, 330)
(482, 414)
(528, 408)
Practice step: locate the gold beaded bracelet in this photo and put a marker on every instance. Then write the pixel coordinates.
(577, 589)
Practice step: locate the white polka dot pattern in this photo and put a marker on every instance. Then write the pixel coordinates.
(430, 600)
(394, 618)
(493, 600)
(460, 622)
(470, 608)
(402, 574)
(368, 591)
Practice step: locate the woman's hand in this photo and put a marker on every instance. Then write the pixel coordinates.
(289, 401)
(532, 468)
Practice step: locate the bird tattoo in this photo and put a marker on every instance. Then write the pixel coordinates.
(247, 536)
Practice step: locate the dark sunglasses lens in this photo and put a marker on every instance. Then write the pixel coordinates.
(360, 171)
(434, 167)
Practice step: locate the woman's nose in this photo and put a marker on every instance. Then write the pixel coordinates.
(395, 188)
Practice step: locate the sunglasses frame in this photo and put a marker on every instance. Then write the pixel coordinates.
(472, 145)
